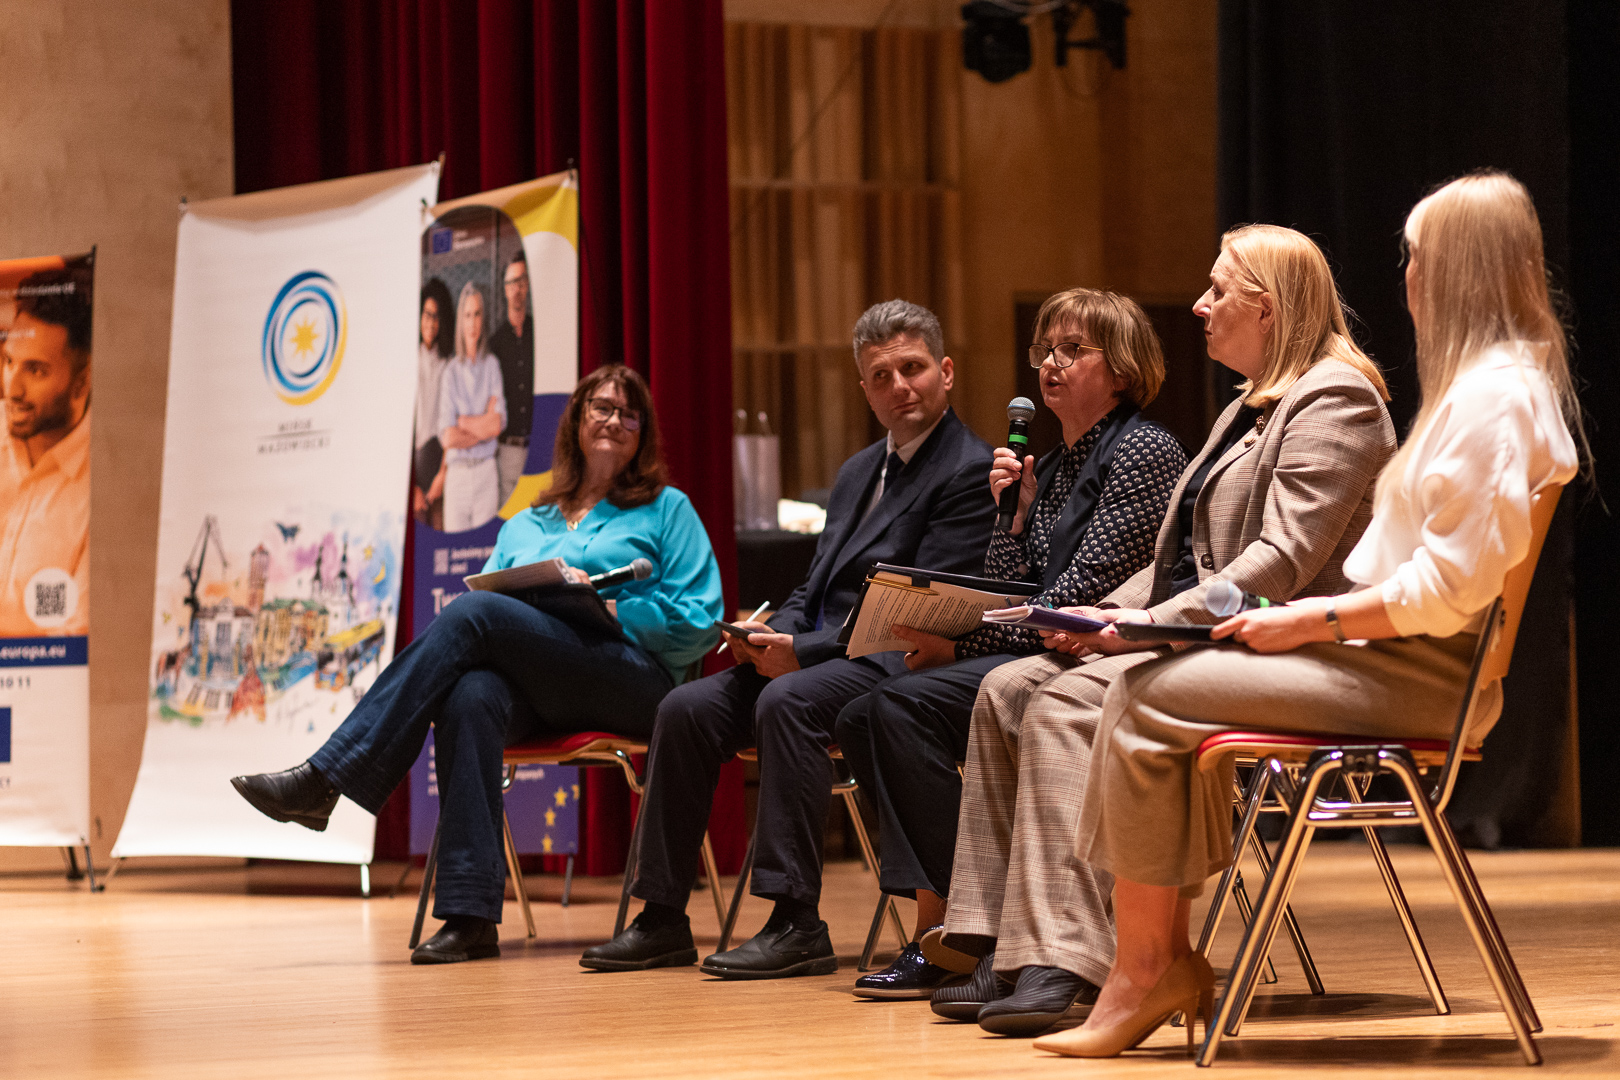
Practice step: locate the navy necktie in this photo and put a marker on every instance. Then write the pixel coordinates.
(891, 470)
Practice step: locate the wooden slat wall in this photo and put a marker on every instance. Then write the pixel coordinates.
(845, 158)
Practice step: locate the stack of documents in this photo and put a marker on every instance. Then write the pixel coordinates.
(947, 605)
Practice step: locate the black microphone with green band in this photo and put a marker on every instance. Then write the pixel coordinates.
(1020, 411)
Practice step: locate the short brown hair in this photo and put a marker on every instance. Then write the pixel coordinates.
(639, 482)
(1122, 330)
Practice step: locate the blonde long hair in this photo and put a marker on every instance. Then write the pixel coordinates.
(1480, 280)
(1308, 323)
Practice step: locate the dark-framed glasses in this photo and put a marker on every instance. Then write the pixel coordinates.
(1063, 354)
(602, 411)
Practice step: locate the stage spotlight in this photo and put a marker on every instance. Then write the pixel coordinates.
(1110, 18)
(995, 40)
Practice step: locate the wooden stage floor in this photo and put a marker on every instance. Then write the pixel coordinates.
(275, 972)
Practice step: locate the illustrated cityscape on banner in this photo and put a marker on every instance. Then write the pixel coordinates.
(499, 292)
(281, 530)
(46, 312)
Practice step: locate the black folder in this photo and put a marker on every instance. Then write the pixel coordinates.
(580, 606)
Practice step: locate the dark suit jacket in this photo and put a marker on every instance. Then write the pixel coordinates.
(937, 515)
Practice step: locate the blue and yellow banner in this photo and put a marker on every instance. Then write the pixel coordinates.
(497, 336)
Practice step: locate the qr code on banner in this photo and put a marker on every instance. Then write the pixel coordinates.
(50, 599)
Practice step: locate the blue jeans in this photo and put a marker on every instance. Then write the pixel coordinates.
(489, 672)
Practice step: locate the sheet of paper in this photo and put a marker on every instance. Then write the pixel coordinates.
(946, 610)
(544, 572)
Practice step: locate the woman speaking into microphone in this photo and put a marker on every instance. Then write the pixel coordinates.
(492, 671)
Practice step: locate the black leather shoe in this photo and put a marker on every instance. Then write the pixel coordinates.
(1043, 996)
(964, 1002)
(462, 937)
(776, 952)
(909, 978)
(640, 946)
(300, 794)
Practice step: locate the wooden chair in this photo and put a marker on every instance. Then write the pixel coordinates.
(1297, 771)
(586, 749)
(846, 788)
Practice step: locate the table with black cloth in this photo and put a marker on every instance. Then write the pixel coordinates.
(771, 563)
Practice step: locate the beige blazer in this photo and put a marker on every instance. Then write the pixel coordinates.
(1281, 510)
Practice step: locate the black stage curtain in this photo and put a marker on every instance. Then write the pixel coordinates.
(1335, 118)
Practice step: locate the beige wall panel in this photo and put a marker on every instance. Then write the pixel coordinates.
(1032, 210)
(111, 112)
(1159, 119)
(1080, 175)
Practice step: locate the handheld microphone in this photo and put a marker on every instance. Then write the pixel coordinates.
(1225, 599)
(1020, 411)
(638, 570)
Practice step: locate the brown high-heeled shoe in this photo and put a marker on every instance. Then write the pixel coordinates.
(1187, 986)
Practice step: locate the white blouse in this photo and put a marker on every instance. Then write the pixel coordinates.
(1441, 542)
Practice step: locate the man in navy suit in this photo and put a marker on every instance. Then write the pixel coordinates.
(920, 497)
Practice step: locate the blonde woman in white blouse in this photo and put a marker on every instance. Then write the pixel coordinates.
(1451, 517)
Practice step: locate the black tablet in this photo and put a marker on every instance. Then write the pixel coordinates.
(1131, 631)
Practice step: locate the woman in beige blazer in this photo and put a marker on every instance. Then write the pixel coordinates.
(1273, 503)
(1451, 518)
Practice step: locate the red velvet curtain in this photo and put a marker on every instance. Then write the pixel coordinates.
(634, 95)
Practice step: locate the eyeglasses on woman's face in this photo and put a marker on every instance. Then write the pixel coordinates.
(1063, 354)
(603, 409)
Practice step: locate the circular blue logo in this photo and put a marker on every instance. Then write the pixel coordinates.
(304, 336)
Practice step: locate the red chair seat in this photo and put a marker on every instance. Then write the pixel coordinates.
(564, 747)
(1291, 746)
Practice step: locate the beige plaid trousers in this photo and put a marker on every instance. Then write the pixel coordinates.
(1277, 515)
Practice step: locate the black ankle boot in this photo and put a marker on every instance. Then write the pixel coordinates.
(462, 937)
(300, 794)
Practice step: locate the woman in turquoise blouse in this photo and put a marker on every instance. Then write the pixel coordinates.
(491, 670)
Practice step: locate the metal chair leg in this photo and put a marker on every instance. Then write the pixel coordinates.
(519, 886)
(1403, 910)
(428, 871)
(713, 873)
(872, 932)
(867, 852)
(1312, 978)
(744, 875)
(1511, 969)
(1246, 912)
(1256, 944)
(1231, 882)
(90, 870)
(1251, 799)
(568, 881)
(632, 859)
(1452, 860)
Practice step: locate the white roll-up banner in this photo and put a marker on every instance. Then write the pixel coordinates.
(292, 378)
